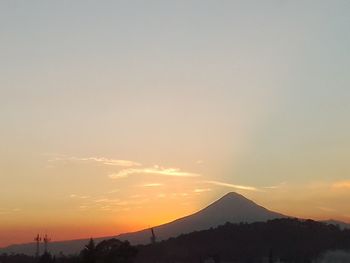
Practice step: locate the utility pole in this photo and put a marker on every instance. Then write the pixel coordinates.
(46, 242)
(153, 237)
(37, 240)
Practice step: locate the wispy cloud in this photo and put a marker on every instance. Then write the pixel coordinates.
(161, 195)
(113, 191)
(201, 190)
(326, 209)
(9, 211)
(135, 196)
(157, 170)
(275, 186)
(235, 186)
(79, 196)
(152, 185)
(341, 184)
(106, 208)
(117, 202)
(106, 200)
(102, 160)
(179, 195)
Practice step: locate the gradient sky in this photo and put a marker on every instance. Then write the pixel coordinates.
(119, 115)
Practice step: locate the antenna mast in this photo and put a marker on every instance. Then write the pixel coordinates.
(37, 240)
(153, 237)
(46, 242)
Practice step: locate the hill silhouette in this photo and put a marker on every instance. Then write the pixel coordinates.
(285, 239)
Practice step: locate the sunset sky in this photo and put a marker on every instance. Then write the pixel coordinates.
(120, 115)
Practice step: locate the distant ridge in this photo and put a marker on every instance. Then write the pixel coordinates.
(277, 240)
(232, 207)
(341, 224)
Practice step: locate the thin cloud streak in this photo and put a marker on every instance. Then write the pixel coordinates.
(275, 186)
(341, 184)
(9, 211)
(152, 185)
(117, 202)
(235, 186)
(201, 190)
(102, 160)
(156, 170)
(79, 196)
(113, 191)
(107, 200)
(326, 209)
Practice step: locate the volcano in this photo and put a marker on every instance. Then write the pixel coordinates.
(232, 207)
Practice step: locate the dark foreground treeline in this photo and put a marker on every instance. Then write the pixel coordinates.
(287, 240)
(107, 251)
(279, 240)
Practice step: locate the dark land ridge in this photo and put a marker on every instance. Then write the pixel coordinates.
(278, 240)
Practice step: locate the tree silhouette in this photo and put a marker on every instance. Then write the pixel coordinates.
(46, 258)
(286, 239)
(114, 250)
(88, 254)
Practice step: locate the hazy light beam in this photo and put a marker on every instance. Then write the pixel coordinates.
(235, 186)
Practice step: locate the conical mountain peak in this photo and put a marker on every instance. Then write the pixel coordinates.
(233, 195)
(231, 200)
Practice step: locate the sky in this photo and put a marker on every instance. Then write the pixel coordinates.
(121, 115)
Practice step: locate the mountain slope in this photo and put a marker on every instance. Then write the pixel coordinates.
(232, 208)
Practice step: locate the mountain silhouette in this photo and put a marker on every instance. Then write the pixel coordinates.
(232, 207)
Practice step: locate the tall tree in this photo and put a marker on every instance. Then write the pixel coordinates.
(88, 254)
